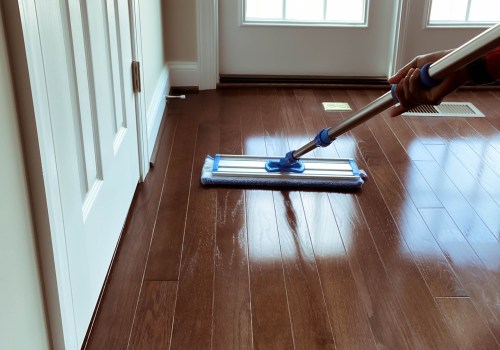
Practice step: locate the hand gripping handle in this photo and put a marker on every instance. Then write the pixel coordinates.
(426, 81)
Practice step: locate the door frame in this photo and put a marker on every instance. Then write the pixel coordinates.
(140, 98)
(30, 74)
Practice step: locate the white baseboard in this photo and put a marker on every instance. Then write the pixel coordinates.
(184, 74)
(156, 109)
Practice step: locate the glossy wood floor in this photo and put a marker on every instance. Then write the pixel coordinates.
(412, 261)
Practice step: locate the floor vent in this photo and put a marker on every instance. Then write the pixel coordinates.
(446, 109)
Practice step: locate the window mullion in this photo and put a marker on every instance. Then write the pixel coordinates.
(284, 10)
(324, 9)
(467, 11)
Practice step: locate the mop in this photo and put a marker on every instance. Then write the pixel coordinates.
(295, 171)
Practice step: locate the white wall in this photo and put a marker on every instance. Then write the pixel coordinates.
(155, 73)
(152, 45)
(22, 316)
(180, 31)
(181, 49)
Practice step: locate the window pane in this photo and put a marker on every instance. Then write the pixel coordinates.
(345, 10)
(448, 10)
(304, 10)
(485, 11)
(264, 9)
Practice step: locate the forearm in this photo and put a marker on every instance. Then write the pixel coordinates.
(486, 69)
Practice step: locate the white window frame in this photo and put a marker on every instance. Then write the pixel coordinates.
(454, 24)
(295, 23)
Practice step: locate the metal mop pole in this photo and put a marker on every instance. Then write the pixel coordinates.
(430, 76)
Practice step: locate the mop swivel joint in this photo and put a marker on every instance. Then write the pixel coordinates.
(286, 164)
(322, 139)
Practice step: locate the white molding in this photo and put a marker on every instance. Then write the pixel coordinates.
(140, 99)
(400, 29)
(184, 73)
(208, 44)
(156, 109)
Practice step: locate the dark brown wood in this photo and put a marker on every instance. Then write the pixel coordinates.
(412, 261)
(466, 325)
(310, 322)
(437, 272)
(272, 328)
(404, 274)
(166, 246)
(154, 317)
(232, 318)
(194, 308)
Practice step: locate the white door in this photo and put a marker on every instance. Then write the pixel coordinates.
(434, 25)
(86, 54)
(355, 50)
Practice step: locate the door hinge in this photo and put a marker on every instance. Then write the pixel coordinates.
(136, 76)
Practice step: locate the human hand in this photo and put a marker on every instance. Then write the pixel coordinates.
(409, 91)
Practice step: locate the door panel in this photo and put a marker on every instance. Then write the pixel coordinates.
(299, 50)
(95, 138)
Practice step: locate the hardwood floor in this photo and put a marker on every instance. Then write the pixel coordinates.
(411, 261)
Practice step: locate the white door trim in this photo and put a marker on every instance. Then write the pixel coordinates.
(403, 10)
(140, 99)
(208, 43)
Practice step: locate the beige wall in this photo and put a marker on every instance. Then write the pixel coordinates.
(22, 319)
(181, 32)
(153, 53)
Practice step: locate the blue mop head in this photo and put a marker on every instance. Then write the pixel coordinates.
(212, 176)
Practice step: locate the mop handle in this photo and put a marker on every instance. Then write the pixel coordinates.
(431, 76)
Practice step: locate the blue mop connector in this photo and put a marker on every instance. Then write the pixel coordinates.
(286, 164)
(290, 164)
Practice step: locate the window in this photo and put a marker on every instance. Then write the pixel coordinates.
(464, 12)
(320, 12)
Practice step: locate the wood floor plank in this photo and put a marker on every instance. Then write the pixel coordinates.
(194, 309)
(436, 271)
(467, 326)
(310, 321)
(387, 320)
(466, 218)
(345, 304)
(427, 325)
(113, 322)
(433, 265)
(386, 130)
(166, 246)
(488, 132)
(232, 319)
(471, 185)
(272, 328)
(489, 99)
(154, 317)
(476, 279)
